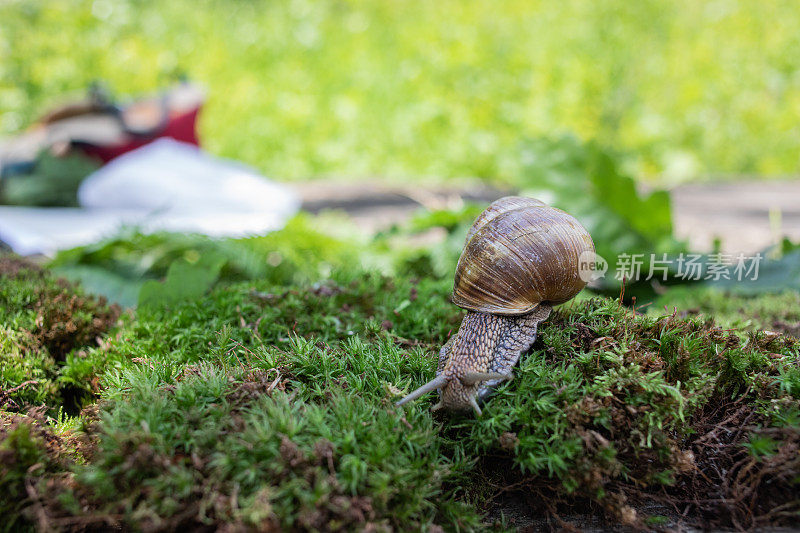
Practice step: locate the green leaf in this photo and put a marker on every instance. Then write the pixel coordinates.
(774, 275)
(449, 219)
(585, 180)
(185, 281)
(54, 181)
(98, 280)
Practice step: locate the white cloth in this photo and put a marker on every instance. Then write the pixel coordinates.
(163, 186)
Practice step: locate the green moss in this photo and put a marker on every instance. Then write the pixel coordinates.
(272, 405)
(334, 462)
(773, 312)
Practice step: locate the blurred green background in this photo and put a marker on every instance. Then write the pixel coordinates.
(434, 90)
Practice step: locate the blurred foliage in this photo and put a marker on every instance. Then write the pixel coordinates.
(166, 268)
(125, 268)
(780, 270)
(300, 88)
(404, 249)
(582, 178)
(53, 181)
(449, 219)
(586, 181)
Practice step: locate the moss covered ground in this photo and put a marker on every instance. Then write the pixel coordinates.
(269, 406)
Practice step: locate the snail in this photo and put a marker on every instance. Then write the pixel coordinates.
(520, 258)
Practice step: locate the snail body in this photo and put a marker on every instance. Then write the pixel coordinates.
(521, 256)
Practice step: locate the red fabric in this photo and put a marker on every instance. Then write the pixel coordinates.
(181, 127)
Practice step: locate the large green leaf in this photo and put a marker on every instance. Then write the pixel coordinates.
(775, 270)
(585, 180)
(54, 181)
(98, 280)
(185, 281)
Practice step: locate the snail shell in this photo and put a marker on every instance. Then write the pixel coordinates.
(519, 253)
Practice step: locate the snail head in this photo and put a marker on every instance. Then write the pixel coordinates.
(456, 392)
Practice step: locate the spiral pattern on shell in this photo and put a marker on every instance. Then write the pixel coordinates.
(519, 253)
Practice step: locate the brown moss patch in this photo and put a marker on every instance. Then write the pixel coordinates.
(65, 320)
(31, 456)
(12, 266)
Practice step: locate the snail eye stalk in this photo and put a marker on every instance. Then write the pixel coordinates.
(434, 384)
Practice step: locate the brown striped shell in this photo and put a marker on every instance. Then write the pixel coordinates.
(519, 253)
